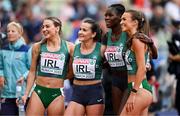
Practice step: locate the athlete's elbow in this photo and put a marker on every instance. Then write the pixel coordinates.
(142, 69)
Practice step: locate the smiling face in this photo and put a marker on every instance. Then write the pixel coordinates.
(49, 29)
(12, 33)
(111, 18)
(127, 24)
(85, 33)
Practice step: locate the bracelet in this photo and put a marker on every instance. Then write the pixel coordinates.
(134, 90)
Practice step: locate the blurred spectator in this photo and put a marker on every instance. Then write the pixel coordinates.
(159, 2)
(38, 9)
(3, 38)
(158, 20)
(14, 4)
(172, 9)
(151, 77)
(68, 26)
(15, 61)
(32, 27)
(143, 5)
(4, 18)
(70, 11)
(175, 57)
(6, 5)
(110, 2)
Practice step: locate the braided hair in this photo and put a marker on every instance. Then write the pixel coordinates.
(142, 32)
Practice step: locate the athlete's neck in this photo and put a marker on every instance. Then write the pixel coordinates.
(54, 41)
(131, 32)
(87, 47)
(116, 30)
(54, 44)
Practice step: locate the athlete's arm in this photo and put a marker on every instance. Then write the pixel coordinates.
(71, 51)
(32, 72)
(104, 39)
(103, 48)
(139, 48)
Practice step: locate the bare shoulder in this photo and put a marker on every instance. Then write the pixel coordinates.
(137, 42)
(70, 47)
(138, 45)
(103, 48)
(70, 44)
(36, 47)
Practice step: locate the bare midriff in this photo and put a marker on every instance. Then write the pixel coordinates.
(49, 82)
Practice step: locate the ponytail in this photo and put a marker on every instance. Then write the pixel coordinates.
(145, 39)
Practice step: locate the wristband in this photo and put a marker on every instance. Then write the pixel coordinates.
(134, 90)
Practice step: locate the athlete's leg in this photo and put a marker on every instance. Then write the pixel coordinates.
(142, 101)
(119, 91)
(74, 109)
(95, 110)
(35, 106)
(123, 100)
(144, 112)
(116, 98)
(56, 107)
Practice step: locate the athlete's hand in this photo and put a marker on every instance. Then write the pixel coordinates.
(24, 98)
(20, 80)
(148, 66)
(130, 102)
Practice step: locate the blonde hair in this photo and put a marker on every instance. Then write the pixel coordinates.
(18, 26)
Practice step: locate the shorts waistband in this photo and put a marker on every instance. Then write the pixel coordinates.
(49, 89)
(144, 85)
(88, 86)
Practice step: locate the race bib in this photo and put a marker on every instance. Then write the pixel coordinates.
(128, 60)
(84, 68)
(114, 57)
(52, 63)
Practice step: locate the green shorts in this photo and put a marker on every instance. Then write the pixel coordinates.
(144, 85)
(47, 95)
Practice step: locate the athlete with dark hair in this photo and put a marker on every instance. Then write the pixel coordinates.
(115, 40)
(140, 49)
(87, 97)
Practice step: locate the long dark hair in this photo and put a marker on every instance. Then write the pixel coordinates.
(94, 28)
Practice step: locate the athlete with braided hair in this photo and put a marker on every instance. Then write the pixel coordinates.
(140, 49)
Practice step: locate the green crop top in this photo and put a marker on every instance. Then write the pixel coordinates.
(53, 64)
(87, 67)
(131, 63)
(115, 52)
